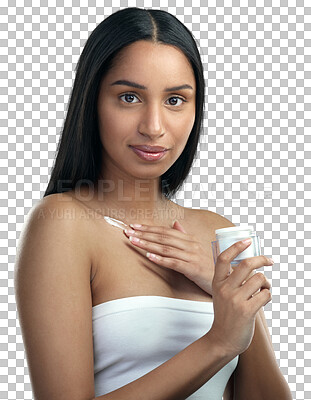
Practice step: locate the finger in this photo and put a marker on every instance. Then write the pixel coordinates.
(260, 299)
(177, 225)
(161, 230)
(253, 284)
(160, 238)
(163, 250)
(243, 270)
(170, 263)
(225, 258)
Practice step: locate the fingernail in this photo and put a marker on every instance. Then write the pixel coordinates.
(152, 256)
(129, 231)
(135, 225)
(247, 241)
(134, 239)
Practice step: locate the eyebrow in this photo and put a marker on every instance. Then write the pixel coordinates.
(137, 86)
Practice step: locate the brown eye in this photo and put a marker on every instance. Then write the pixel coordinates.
(129, 98)
(175, 101)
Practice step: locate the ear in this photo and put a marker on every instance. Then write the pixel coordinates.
(177, 225)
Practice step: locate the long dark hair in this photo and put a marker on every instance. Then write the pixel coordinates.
(79, 151)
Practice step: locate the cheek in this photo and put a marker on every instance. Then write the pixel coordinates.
(111, 127)
(182, 127)
(191, 123)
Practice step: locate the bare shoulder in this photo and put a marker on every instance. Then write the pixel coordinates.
(52, 206)
(54, 300)
(210, 214)
(208, 220)
(54, 216)
(62, 206)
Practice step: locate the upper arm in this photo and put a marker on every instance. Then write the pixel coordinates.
(216, 221)
(54, 303)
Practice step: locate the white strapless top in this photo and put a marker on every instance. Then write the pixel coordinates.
(134, 335)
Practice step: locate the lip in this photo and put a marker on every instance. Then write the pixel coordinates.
(149, 149)
(148, 155)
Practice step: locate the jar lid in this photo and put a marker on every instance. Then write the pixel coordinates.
(234, 229)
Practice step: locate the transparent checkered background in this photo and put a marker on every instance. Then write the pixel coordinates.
(252, 161)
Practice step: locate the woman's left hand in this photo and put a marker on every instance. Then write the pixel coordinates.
(175, 249)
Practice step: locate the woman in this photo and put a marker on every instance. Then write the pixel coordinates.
(137, 313)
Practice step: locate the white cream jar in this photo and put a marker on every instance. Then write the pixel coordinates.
(226, 237)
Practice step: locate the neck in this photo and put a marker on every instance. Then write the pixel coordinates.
(136, 201)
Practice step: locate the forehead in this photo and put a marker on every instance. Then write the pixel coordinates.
(149, 62)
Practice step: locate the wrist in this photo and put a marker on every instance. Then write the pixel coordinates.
(220, 346)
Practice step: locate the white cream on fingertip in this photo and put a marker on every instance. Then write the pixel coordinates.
(115, 222)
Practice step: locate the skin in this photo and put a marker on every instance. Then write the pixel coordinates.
(52, 280)
(151, 119)
(151, 116)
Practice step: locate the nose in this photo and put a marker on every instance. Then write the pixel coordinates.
(151, 121)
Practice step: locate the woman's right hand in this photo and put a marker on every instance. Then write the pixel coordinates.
(237, 298)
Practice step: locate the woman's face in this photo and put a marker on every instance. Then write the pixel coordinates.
(146, 99)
